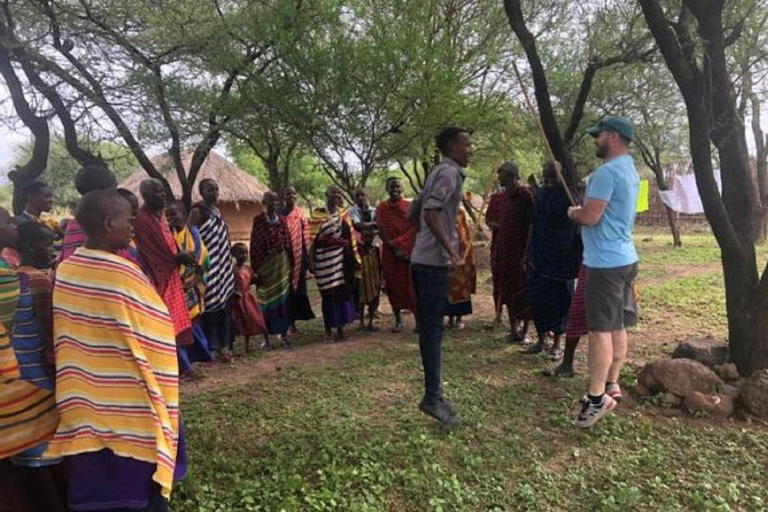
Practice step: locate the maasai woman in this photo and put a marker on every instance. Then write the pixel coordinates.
(272, 263)
(300, 308)
(116, 375)
(28, 416)
(334, 257)
(161, 257)
(220, 286)
(193, 278)
(245, 309)
(398, 236)
(462, 279)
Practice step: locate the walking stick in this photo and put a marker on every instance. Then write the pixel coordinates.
(537, 119)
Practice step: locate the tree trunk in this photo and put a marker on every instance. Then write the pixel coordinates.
(713, 119)
(672, 220)
(761, 162)
(661, 183)
(38, 125)
(541, 90)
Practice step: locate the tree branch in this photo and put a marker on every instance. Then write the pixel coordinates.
(38, 125)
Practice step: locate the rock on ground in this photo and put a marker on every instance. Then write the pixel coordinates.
(681, 377)
(708, 351)
(754, 394)
(727, 371)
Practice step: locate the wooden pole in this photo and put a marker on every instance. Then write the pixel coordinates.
(537, 119)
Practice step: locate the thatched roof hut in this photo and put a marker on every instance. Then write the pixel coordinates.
(239, 193)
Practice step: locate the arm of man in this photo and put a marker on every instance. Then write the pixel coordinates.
(589, 214)
(599, 192)
(432, 220)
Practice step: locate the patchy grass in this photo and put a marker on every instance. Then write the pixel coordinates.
(699, 301)
(347, 435)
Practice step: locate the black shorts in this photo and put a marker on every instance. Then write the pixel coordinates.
(610, 298)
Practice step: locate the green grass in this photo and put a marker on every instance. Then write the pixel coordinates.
(347, 435)
(696, 302)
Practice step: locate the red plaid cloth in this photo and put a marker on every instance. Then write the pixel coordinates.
(298, 229)
(396, 229)
(157, 249)
(577, 313)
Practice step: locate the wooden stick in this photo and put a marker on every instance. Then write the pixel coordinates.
(537, 119)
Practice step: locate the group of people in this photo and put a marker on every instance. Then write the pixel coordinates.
(101, 314)
(562, 259)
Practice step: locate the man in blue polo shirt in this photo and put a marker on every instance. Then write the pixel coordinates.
(607, 219)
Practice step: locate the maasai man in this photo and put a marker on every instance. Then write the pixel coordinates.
(216, 319)
(28, 416)
(575, 328)
(462, 279)
(117, 386)
(91, 177)
(435, 251)
(272, 263)
(362, 216)
(492, 218)
(370, 281)
(298, 228)
(515, 209)
(398, 236)
(193, 277)
(554, 258)
(361, 213)
(607, 219)
(161, 256)
(334, 258)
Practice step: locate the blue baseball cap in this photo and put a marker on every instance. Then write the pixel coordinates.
(618, 124)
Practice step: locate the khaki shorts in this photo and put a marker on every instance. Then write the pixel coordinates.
(610, 298)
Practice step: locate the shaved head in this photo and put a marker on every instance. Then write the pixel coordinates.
(97, 207)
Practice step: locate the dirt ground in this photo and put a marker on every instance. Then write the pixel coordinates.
(311, 350)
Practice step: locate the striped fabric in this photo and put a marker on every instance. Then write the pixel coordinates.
(221, 277)
(73, 238)
(371, 277)
(328, 262)
(28, 339)
(299, 231)
(31, 342)
(193, 277)
(576, 325)
(27, 412)
(116, 369)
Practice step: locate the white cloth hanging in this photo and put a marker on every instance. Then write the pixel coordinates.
(684, 196)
